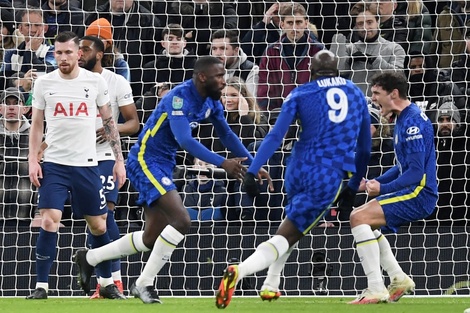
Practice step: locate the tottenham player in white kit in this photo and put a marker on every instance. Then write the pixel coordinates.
(69, 99)
(120, 95)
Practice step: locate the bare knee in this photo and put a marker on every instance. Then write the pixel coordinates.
(50, 219)
(356, 218)
(97, 224)
(182, 224)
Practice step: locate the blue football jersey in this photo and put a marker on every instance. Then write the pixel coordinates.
(331, 111)
(157, 141)
(414, 133)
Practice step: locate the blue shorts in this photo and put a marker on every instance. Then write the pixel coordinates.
(151, 180)
(110, 188)
(406, 206)
(311, 189)
(83, 184)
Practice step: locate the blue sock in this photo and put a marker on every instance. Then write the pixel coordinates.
(104, 268)
(113, 231)
(46, 248)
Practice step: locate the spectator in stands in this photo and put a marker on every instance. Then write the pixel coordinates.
(15, 189)
(9, 38)
(360, 60)
(242, 114)
(392, 28)
(449, 37)
(35, 52)
(113, 60)
(286, 63)
(428, 86)
(136, 32)
(175, 63)
(419, 24)
(452, 168)
(24, 83)
(263, 33)
(60, 16)
(225, 46)
(199, 18)
(205, 198)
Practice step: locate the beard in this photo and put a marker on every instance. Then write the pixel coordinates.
(214, 94)
(89, 65)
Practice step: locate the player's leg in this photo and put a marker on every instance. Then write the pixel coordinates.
(88, 201)
(400, 283)
(265, 255)
(270, 288)
(362, 220)
(111, 193)
(52, 195)
(168, 231)
(400, 209)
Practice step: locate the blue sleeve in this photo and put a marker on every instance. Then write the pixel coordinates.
(182, 131)
(228, 138)
(389, 175)
(272, 141)
(363, 149)
(412, 176)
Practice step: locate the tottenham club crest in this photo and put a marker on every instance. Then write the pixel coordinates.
(166, 181)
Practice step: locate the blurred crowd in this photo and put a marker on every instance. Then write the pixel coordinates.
(266, 47)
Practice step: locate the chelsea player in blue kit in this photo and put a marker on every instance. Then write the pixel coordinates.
(150, 166)
(335, 139)
(405, 193)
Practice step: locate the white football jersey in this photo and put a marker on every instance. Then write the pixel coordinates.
(120, 94)
(70, 109)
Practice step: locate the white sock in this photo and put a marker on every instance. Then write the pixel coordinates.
(164, 246)
(387, 260)
(116, 276)
(273, 279)
(265, 255)
(106, 281)
(369, 253)
(124, 246)
(45, 286)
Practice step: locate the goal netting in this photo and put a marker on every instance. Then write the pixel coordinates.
(435, 251)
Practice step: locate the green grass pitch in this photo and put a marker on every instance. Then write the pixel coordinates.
(238, 304)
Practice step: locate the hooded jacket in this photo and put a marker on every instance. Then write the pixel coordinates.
(246, 70)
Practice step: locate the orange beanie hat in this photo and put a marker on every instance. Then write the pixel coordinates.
(100, 28)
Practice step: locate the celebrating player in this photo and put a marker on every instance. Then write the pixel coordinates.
(69, 99)
(335, 140)
(406, 193)
(121, 100)
(150, 166)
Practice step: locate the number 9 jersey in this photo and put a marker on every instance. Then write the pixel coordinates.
(331, 111)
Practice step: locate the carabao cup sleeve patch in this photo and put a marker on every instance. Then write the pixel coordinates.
(177, 103)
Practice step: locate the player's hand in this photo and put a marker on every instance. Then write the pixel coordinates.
(362, 185)
(373, 188)
(119, 173)
(345, 200)
(234, 168)
(250, 186)
(35, 172)
(101, 135)
(263, 174)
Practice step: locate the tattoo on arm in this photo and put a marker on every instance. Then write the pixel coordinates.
(112, 134)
